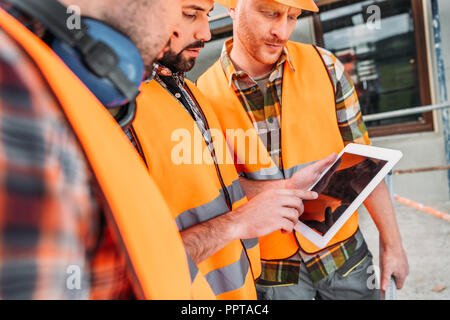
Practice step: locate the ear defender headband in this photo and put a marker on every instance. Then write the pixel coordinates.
(113, 75)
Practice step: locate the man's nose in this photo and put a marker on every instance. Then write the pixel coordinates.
(204, 32)
(280, 29)
(176, 32)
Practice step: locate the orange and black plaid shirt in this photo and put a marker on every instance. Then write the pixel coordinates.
(264, 110)
(54, 240)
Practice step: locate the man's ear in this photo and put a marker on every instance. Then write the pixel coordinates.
(232, 12)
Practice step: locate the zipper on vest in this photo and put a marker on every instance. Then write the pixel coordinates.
(137, 144)
(219, 175)
(225, 191)
(224, 188)
(249, 261)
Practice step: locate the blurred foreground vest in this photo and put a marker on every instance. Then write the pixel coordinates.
(196, 188)
(142, 219)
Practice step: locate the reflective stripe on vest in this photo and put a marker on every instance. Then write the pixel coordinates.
(229, 278)
(309, 132)
(211, 209)
(193, 190)
(200, 287)
(275, 173)
(146, 229)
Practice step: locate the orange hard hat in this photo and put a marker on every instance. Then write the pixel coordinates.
(309, 5)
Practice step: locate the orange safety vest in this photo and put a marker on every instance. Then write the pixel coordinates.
(309, 132)
(194, 187)
(137, 209)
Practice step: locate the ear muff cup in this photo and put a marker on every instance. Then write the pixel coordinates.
(128, 56)
(105, 60)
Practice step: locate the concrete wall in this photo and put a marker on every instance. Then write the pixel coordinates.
(419, 150)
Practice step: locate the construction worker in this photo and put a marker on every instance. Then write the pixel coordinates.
(181, 141)
(303, 106)
(73, 223)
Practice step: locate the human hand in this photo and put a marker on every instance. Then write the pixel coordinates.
(394, 263)
(304, 178)
(269, 211)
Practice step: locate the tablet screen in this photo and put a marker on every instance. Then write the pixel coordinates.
(338, 188)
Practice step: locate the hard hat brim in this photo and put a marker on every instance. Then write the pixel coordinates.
(308, 5)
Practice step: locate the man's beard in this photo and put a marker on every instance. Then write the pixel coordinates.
(176, 62)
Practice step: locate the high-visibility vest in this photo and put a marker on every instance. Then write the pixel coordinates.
(195, 188)
(138, 211)
(309, 132)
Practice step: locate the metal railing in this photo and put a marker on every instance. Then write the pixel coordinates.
(405, 112)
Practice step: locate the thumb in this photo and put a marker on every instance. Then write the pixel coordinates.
(305, 177)
(322, 164)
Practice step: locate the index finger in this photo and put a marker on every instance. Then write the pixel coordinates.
(299, 193)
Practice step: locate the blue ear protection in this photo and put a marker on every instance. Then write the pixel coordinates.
(105, 60)
(129, 62)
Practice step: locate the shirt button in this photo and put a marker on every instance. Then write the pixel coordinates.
(177, 95)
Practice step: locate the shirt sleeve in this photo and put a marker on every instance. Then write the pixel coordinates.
(348, 111)
(47, 215)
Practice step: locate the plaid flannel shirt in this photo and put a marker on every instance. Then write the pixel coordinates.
(265, 113)
(51, 225)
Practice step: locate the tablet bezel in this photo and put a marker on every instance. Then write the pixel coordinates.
(389, 155)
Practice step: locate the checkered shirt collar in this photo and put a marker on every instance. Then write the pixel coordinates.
(230, 70)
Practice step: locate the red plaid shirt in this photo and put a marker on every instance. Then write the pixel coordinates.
(54, 240)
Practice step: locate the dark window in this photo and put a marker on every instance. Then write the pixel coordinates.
(382, 45)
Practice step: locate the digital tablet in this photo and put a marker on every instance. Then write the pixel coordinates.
(342, 188)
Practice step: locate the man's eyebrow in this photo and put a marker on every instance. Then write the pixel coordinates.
(268, 6)
(195, 7)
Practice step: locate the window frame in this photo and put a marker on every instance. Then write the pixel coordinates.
(426, 123)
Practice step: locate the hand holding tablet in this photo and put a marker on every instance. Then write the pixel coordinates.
(342, 188)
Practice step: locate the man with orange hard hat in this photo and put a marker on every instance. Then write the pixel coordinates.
(303, 107)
